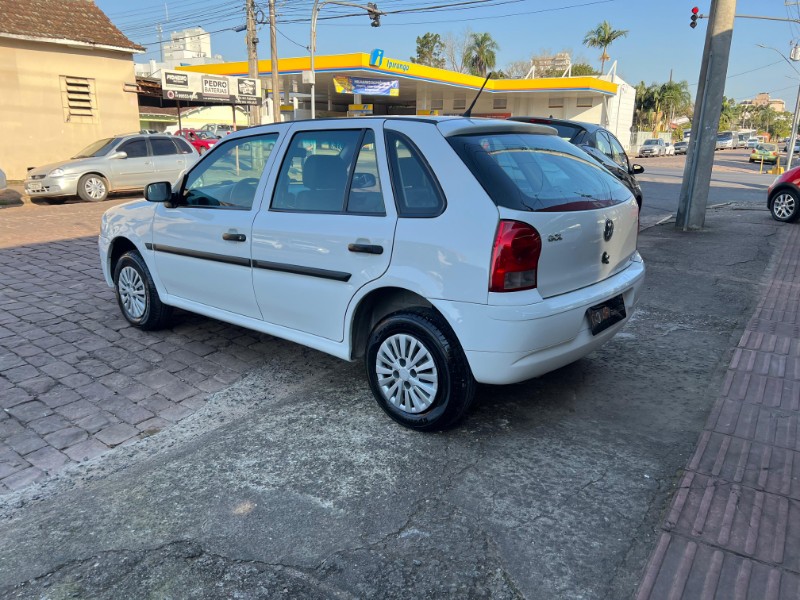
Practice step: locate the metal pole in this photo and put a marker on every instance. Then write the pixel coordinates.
(711, 87)
(252, 56)
(180, 125)
(273, 59)
(314, 12)
(793, 136)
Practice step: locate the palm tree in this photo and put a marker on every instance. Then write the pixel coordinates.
(481, 54)
(675, 97)
(603, 36)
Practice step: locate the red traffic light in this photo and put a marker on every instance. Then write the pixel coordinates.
(695, 10)
(695, 16)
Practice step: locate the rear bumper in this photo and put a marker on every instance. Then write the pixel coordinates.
(509, 344)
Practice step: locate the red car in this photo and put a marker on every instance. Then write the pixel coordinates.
(201, 140)
(783, 196)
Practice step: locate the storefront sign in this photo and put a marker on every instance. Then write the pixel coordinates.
(369, 87)
(199, 87)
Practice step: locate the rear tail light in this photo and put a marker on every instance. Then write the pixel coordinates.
(515, 257)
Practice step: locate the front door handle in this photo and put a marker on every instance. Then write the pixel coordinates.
(234, 237)
(365, 248)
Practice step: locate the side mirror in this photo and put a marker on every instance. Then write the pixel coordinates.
(637, 169)
(363, 180)
(118, 155)
(158, 192)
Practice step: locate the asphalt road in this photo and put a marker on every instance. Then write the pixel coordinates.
(293, 484)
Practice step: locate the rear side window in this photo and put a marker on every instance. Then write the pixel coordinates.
(417, 192)
(533, 172)
(162, 146)
(183, 147)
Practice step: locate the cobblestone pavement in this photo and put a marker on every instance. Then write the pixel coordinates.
(733, 529)
(75, 378)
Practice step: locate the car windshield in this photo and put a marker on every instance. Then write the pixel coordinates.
(650, 142)
(725, 136)
(535, 172)
(99, 148)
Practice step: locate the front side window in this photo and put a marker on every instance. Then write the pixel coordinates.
(602, 143)
(618, 153)
(135, 148)
(316, 171)
(534, 172)
(228, 178)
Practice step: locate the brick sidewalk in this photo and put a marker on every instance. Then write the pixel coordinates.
(733, 528)
(75, 378)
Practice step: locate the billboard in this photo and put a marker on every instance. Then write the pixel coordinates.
(199, 87)
(368, 87)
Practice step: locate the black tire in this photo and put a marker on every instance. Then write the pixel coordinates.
(93, 187)
(54, 201)
(785, 206)
(137, 295)
(454, 388)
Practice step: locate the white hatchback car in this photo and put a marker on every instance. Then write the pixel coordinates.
(441, 251)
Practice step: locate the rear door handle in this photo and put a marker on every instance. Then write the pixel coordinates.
(234, 237)
(366, 248)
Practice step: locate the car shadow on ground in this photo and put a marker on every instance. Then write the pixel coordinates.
(10, 197)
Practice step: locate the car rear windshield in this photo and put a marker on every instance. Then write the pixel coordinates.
(532, 172)
(99, 148)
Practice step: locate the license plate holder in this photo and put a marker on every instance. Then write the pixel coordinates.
(602, 316)
(34, 187)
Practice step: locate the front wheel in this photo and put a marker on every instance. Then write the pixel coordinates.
(785, 206)
(93, 188)
(417, 370)
(137, 295)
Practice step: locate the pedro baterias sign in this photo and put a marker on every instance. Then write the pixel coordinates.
(199, 87)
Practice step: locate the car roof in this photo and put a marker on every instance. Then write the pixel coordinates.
(590, 127)
(449, 126)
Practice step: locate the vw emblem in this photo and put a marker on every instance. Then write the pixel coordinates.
(609, 230)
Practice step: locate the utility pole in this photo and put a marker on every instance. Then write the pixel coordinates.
(160, 40)
(708, 106)
(252, 55)
(273, 59)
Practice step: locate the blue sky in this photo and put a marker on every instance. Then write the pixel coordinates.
(659, 38)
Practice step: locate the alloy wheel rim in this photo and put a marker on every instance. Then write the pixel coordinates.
(132, 292)
(95, 187)
(407, 375)
(784, 206)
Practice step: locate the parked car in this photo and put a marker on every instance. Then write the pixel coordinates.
(766, 152)
(218, 129)
(3, 181)
(783, 196)
(681, 147)
(796, 146)
(127, 162)
(669, 149)
(202, 141)
(440, 251)
(652, 147)
(600, 144)
(752, 142)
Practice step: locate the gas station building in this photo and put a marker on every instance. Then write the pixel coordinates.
(395, 87)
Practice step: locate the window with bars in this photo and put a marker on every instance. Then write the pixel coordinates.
(500, 103)
(79, 99)
(585, 102)
(459, 102)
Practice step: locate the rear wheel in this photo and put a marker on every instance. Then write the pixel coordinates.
(137, 295)
(417, 370)
(93, 188)
(785, 206)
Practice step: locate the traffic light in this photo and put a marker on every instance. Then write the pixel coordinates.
(374, 14)
(695, 10)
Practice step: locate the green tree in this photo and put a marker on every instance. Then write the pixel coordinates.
(603, 36)
(429, 51)
(481, 54)
(580, 69)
